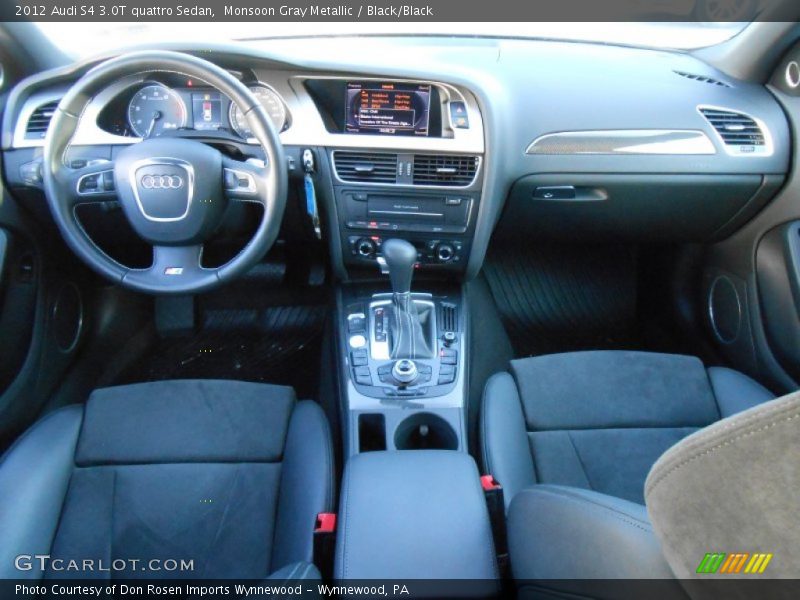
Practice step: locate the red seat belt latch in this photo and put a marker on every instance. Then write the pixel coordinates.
(489, 483)
(326, 523)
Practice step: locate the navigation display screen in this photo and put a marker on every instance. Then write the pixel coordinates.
(387, 108)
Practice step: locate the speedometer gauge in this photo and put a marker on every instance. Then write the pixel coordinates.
(271, 102)
(155, 109)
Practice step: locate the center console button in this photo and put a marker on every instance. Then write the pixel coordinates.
(357, 341)
(358, 358)
(405, 371)
(448, 356)
(356, 322)
(363, 376)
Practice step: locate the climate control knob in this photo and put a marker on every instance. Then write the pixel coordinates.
(365, 247)
(445, 252)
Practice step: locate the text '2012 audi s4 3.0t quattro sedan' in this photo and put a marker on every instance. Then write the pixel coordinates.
(437, 315)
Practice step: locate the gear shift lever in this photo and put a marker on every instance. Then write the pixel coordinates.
(400, 258)
(406, 338)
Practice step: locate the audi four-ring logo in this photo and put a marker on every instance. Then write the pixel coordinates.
(162, 182)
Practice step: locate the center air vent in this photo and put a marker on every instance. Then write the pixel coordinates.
(445, 170)
(703, 79)
(740, 133)
(367, 167)
(39, 120)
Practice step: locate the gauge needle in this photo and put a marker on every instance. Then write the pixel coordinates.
(156, 116)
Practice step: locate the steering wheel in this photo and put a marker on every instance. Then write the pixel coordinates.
(173, 191)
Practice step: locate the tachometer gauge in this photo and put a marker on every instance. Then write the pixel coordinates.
(155, 109)
(271, 102)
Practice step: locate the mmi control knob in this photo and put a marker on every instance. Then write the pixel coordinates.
(445, 252)
(365, 247)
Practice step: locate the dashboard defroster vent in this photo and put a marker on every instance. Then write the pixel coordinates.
(39, 120)
(703, 79)
(738, 131)
(445, 169)
(365, 167)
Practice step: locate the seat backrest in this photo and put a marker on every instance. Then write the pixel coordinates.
(732, 489)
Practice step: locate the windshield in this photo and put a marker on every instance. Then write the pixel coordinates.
(83, 39)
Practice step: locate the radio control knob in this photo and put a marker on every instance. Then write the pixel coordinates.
(445, 252)
(366, 247)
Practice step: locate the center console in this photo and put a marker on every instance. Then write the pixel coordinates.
(396, 397)
(413, 516)
(409, 164)
(405, 204)
(438, 220)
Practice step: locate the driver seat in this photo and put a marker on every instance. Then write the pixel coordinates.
(226, 474)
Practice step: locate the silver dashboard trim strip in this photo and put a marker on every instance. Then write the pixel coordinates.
(624, 141)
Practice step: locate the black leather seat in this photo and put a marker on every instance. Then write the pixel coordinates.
(589, 426)
(226, 474)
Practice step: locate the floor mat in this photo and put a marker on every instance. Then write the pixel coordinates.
(276, 344)
(562, 297)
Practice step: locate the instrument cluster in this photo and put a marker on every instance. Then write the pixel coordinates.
(153, 108)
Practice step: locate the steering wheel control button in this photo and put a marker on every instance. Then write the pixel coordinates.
(240, 182)
(405, 371)
(96, 183)
(108, 181)
(163, 188)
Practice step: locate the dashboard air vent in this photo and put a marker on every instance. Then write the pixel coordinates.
(39, 120)
(446, 170)
(368, 167)
(703, 79)
(736, 130)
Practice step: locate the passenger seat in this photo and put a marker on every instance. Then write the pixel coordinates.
(572, 437)
(598, 420)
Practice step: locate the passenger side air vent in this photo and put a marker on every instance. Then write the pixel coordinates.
(703, 79)
(445, 170)
(39, 120)
(365, 167)
(448, 317)
(738, 131)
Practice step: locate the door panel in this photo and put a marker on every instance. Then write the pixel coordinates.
(778, 270)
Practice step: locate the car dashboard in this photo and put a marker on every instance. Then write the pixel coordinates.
(450, 141)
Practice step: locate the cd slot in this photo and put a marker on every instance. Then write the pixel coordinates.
(397, 208)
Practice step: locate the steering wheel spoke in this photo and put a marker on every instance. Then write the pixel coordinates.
(244, 181)
(175, 267)
(177, 261)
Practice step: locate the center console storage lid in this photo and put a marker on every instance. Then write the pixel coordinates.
(416, 514)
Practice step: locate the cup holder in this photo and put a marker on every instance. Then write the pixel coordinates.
(425, 431)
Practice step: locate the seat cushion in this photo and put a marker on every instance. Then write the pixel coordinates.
(227, 475)
(599, 420)
(557, 532)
